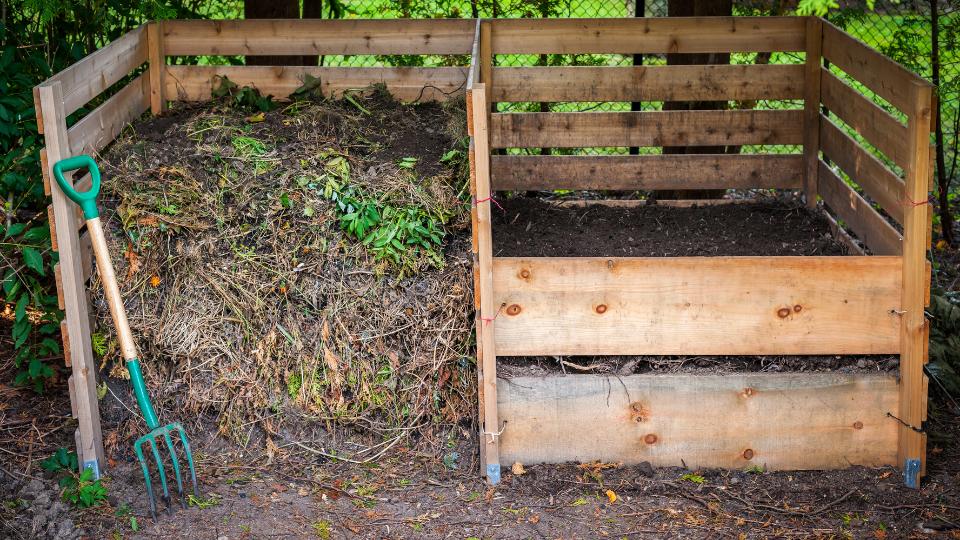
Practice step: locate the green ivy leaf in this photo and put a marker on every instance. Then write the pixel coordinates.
(33, 259)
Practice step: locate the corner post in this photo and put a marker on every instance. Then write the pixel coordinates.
(158, 71)
(811, 109)
(483, 267)
(83, 382)
(912, 445)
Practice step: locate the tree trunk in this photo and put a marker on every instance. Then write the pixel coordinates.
(272, 9)
(943, 179)
(639, 10)
(695, 8)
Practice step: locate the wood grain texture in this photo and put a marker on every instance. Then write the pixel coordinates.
(99, 128)
(664, 171)
(488, 310)
(77, 318)
(857, 214)
(158, 60)
(96, 72)
(318, 37)
(888, 79)
(873, 123)
(811, 109)
(648, 35)
(194, 83)
(780, 421)
(697, 305)
(650, 128)
(914, 326)
(876, 180)
(648, 83)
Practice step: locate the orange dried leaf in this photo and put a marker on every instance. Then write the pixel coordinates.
(611, 496)
(154, 281)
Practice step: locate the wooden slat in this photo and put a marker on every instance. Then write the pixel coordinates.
(45, 171)
(648, 83)
(866, 118)
(781, 421)
(488, 310)
(841, 234)
(58, 278)
(648, 35)
(876, 180)
(96, 72)
(914, 327)
(858, 215)
(473, 77)
(99, 128)
(811, 109)
(697, 305)
(194, 83)
(158, 61)
(651, 172)
(77, 339)
(52, 220)
(652, 128)
(318, 37)
(888, 79)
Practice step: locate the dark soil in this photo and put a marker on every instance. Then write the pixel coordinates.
(529, 227)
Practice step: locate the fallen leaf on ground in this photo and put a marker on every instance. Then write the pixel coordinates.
(518, 469)
(611, 496)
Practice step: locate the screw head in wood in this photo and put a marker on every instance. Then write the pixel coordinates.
(748, 454)
(601, 309)
(650, 438)
(524, 274)
(514, 309)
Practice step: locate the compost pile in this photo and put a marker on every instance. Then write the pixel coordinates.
(308, 265)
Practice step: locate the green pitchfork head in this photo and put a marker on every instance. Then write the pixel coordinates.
(165, 434)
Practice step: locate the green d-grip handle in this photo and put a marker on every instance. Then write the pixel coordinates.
(87, 200)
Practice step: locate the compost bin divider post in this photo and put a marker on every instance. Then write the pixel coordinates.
(487, 314)
(811, 109)
(158, 60)
(914, 328)
(83, 381)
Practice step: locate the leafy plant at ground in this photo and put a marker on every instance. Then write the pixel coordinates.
(246, 97)
(944, 366)
(61, 460)
(82, 490)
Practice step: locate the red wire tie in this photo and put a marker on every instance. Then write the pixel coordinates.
(911, 202)
(488, 320)
(491, 199)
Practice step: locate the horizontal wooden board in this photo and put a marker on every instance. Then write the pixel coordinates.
(888, 79)
(194, 83)
(648, 83)
(315, 36)
(783, 421)
(697, 305)
(876, 180)
(873, 123)
(651, 128)
(648, 35)
(96, 72)
(858, 215)
(99, 128)
(667, 171)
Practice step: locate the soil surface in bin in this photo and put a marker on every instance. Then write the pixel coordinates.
(531, 227)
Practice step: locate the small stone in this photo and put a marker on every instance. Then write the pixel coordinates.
(734, 480)
(861, 363)
(644, 468)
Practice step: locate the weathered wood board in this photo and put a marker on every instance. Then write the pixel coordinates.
(697, 305)
(777, 421)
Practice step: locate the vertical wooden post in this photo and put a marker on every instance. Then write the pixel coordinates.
(486, 61)
(483, 263)
(83, 382)
(811, 110)
(913, 327)
(158, 65)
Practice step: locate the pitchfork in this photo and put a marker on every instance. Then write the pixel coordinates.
(87, 201)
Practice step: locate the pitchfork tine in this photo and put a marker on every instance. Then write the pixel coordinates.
(186, 447)
(176, 468)
(163, 475)
(138, 450)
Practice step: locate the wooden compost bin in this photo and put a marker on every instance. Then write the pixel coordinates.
(698, 305)
(599, 306)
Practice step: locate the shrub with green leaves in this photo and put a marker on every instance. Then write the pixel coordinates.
(79, 489)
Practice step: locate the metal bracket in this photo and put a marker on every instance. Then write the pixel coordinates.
(911, 473)
(493, 473)
(92, 464)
